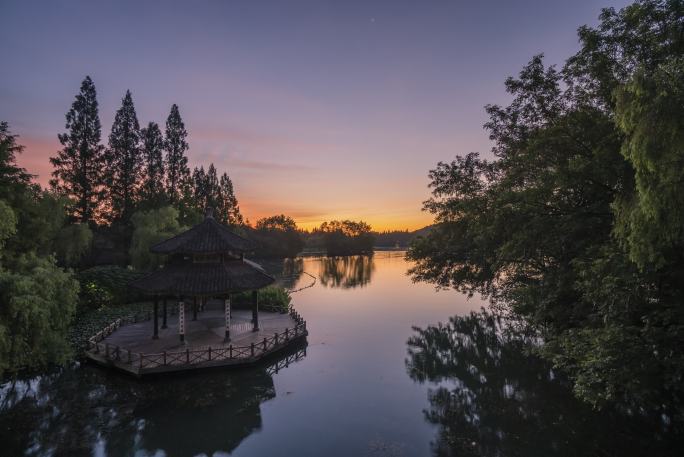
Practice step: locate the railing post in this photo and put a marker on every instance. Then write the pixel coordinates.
(276, 339)
(209, 353)
(252, 347)
(287, 334)
(187, 356)
(129, 355)
(107, 350)
(264, 344)
(230, 351)
(164, 357)
(141, 359)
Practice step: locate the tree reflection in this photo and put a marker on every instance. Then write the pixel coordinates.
(79, 411)
(492, 398)
(346, 272)
(287, 271)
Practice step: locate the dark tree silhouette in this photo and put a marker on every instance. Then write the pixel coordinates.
(78, 166)
(176, 162)
(152, 191)
(227, 209)
(278, 237)
(10, 174)
(123, 162)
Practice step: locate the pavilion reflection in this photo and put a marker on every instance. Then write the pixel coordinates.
(89, 411)
(491, 397)
(346, 272)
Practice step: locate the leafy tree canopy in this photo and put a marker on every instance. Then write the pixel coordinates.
(577, 223)
(151, 227)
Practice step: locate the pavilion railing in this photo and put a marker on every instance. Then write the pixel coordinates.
(194, 356)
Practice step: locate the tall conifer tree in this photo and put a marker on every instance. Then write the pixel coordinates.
(153, 191)
(199, 188)
(227, 209)
(177, 171)
(123, 162)
(78, 166)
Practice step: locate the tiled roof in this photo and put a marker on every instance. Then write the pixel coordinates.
(206, 237)
(204, 278)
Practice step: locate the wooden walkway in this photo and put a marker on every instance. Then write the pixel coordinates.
(128, 344)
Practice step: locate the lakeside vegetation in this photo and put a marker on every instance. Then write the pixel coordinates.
(68, 252)
(576, 227)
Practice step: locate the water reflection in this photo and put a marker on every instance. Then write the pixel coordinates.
(491, 398)
(346, 272)
(90, 411)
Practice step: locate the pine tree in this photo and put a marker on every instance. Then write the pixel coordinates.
(78, 166)
(199, 188)
(213, 189)
(177, 171)
(123, 162)
(152, 191)
(227, 209)
(12, 177)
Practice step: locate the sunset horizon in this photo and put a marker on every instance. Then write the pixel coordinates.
(320, 111)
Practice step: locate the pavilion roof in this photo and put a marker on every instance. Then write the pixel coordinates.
(207, 237)
(186, 278)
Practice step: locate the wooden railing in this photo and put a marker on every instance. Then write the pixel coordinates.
(193, 356)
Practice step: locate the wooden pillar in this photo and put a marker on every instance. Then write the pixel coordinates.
(155, 335)
(226, 310)
(165, 313)
(194, 308)
(255, 310)
(181, 319)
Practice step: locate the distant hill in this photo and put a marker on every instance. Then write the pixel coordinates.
(399, 238)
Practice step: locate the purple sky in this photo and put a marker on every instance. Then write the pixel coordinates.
(316, 109)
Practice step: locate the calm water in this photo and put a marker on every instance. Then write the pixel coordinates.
(385, 373)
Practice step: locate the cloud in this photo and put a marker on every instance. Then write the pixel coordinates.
(267, 165)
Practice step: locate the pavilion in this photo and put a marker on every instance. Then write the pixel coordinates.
(204, 262)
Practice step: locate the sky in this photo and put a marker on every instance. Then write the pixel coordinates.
(319, 110)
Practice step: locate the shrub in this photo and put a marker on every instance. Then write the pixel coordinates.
(273, 297)
(107, 285)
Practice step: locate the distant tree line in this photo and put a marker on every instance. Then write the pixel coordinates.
(343, 237)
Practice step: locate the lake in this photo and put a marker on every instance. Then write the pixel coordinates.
(386, 372)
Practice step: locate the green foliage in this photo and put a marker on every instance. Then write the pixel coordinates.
(73, 242)
(577, 224)
(650, 112)
(37, 301)
(278, 236)
(107, 285)
(78, 166)
(347, 237)
(272, 297)
(8, 222)
(150, 228)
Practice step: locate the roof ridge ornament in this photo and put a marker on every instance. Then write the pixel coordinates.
(209, 212)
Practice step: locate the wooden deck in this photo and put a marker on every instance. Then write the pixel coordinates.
(129, 346)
